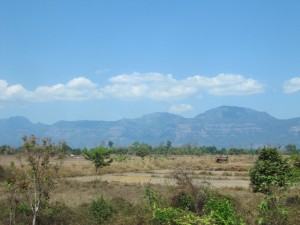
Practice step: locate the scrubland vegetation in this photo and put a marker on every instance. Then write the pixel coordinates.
(141, 184)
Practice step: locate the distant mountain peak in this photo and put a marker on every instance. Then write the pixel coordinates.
(19, 120)
(234, 113)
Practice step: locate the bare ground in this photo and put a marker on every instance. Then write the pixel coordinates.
(217, 179)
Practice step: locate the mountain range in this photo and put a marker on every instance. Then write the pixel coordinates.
(225, 126)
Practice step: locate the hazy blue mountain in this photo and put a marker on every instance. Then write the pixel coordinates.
(225, 126)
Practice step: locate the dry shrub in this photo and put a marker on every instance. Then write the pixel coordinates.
(186, 195)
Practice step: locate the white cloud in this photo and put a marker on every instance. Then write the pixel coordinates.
(292, 85)
(79, 88)
(180, 109)
(227, 84)
(149, 85)
(159, 86)
(155, 86)
(81, 83)
(125, 91)
(16, 91)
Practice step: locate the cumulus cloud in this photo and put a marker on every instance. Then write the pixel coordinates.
(155, 86)
(16, 91)
(227, 84)
(159, 86)
(79, 88)
(180, 109)
(292, 85)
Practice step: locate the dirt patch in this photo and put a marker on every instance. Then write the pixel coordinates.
(165, 177)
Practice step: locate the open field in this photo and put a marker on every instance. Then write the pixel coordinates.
(202, 170)
(126, 181)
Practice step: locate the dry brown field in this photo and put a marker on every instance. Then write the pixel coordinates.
(79, 183)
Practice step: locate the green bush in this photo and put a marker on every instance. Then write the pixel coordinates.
(101, 210)
(120, 158)
(176, 216)
(185, 201)
(272, 211)
(270, 172)
(56, 213)
(153, 196)
(221, 211)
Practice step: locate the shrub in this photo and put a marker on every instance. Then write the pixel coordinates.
(296, 159)
(121, 158)
(152, 196)
(221, 211)
(270, 171)
(185, 201)
(56, 213)
(188, 196)
(272, 211)
(101, 210)
(176, 216)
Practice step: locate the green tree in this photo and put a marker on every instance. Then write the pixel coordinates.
(64, 148)
(270, 172)
(110, 144)
(140, 149)
(100, 156)
(101, 210)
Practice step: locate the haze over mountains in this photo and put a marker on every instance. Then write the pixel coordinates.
(225, 126)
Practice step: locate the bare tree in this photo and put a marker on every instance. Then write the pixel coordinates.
(40, 172)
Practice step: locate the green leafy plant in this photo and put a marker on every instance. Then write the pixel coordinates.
(296, 160)
(272, 211)
(221, 211)
(101, 210)
(177, 216)
(169, 215)
(270, 171)
(185, 201)
(152, 195)
(121, 158)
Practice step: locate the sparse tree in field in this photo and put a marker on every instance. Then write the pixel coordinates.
(64, 148)
(32, 184)
(100, 156)
(141, 149)
(110, 144)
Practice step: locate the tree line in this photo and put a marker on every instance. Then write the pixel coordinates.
(143, 149)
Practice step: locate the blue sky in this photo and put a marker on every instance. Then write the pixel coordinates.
(107, 60)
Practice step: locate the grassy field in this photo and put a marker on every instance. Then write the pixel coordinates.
(123, 184)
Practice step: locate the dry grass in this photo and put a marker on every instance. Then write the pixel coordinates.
(73, 166)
